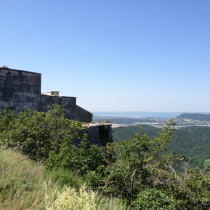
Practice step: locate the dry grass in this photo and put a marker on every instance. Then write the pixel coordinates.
(23, 185)
(21, 182)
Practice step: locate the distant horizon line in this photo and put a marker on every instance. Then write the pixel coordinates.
(134, 114)
(199, 112)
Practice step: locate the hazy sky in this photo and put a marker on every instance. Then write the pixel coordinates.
(113, 55)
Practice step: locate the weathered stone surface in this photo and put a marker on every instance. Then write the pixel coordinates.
(20, 89)
(100, 133)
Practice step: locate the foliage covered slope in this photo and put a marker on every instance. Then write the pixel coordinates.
(138, 171)
(191, 142)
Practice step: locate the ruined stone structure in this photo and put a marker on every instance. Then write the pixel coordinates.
(21, 89)
(99, 133)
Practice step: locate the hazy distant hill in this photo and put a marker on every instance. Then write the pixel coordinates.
(195, 116)
(192, 142)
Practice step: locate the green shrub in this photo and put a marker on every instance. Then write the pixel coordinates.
(81, 158)
(64, 178)
(95, 179)
(152, 199)
(193, 191)
(37, 134)
(206, 164)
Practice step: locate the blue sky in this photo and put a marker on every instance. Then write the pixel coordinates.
(113, 55)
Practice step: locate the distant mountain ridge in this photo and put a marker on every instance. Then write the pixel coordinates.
(195, 116)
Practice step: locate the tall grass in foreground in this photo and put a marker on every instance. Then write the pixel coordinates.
(21, 182)
(83, 199)
(24, 185)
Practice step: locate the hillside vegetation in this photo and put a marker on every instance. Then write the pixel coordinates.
(25, 184)
(21, 182)
(193, 143)
(138, 173)
(124, 133)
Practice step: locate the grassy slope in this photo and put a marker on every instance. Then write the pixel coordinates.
(24, 184)
(21, 182)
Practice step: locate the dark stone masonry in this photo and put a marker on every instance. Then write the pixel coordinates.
(22, 89)
(99, 133)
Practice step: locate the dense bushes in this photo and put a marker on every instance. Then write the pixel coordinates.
(38, 133)
(80, 159)
(132, 170)
(154, 199)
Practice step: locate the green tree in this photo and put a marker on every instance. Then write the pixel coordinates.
(206, 164)
(38, 133)
(81, 159)
(132, 162)
(7, 118)
(152, 199)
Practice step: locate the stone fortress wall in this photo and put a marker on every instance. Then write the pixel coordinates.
(19, 89)
(22, 89)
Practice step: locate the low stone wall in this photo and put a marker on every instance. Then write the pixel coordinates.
(99, 134)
